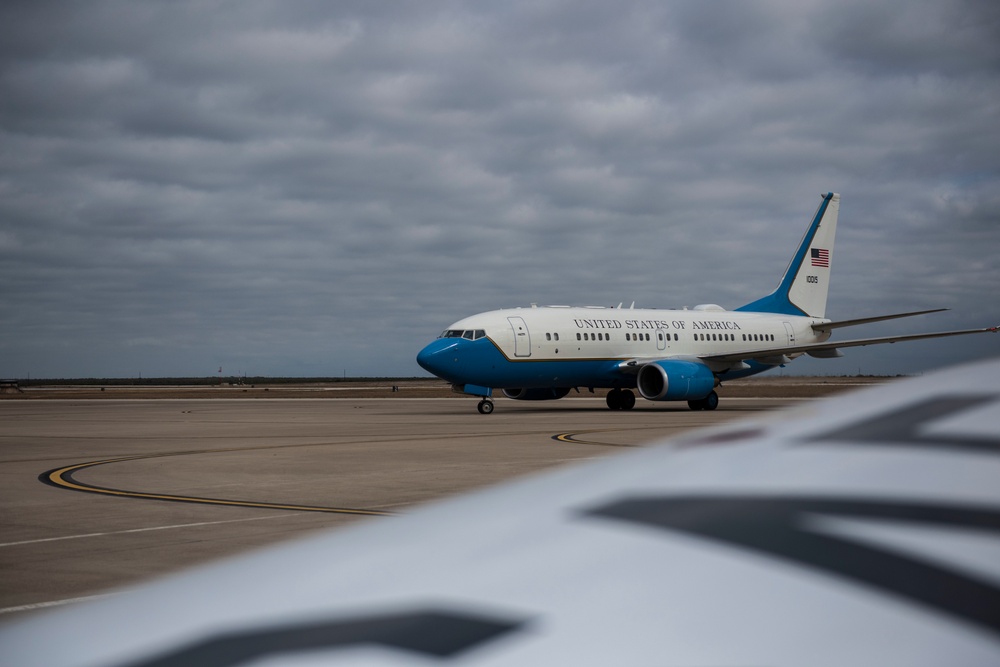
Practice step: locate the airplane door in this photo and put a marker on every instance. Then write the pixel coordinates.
(661, 343)
(522, 340)
(790, 331)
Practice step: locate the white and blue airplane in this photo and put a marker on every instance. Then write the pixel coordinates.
(542, 353)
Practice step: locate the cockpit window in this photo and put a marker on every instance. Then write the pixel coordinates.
(470, 334)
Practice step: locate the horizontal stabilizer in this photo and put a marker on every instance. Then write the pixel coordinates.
(829, 326)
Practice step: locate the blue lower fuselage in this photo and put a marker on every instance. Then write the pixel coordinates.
(461, 361)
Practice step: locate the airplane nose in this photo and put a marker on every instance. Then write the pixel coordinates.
(438, 356)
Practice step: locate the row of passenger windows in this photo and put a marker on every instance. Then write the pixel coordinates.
(476, 334)
(728, 336)
(701, 336)
(676, 337)
(606, 336)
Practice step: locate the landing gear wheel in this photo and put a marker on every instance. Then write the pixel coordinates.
(627, 401)
(485, 407)
(614, 399)
(710, 402)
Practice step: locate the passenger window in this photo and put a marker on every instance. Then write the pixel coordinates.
(556, 335)
(578, 336)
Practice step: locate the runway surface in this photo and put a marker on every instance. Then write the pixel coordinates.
(98, 494)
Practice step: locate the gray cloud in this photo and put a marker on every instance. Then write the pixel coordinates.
(300, 188)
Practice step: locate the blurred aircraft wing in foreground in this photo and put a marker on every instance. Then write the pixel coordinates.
(863, 529)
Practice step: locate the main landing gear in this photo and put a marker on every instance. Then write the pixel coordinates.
(710, 402)
(485, 406)
(621, 399)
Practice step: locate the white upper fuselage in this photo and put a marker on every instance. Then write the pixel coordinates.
(562, 332)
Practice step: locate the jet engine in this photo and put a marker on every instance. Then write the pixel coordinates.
(547, 394)
(675, 380)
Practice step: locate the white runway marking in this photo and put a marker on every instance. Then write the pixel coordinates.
(54, 603)
(139, 530)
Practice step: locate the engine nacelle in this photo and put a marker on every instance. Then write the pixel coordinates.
(675, 380)
(536, 394)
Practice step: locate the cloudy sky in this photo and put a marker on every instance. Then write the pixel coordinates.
(315, 188)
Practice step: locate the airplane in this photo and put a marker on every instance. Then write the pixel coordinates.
(542, 353)
(863, 529)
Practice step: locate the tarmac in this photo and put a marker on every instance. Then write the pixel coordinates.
(97, 494)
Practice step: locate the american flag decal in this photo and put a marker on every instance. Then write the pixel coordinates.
(820, 257)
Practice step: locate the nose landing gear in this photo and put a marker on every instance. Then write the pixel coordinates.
(485, 406)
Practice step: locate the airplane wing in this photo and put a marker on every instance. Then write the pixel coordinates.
(774, 354)
(860, 530)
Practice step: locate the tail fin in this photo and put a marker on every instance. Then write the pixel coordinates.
(803, 288)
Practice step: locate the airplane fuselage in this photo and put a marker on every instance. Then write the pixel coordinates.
(572, 346)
